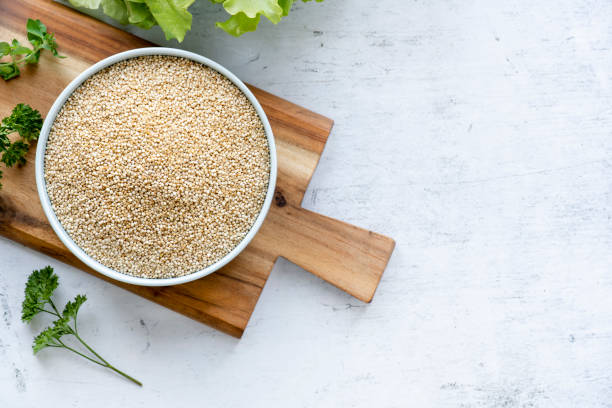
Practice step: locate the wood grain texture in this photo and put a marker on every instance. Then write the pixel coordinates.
(350, 258)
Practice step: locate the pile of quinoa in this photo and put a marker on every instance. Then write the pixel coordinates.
(157, 166)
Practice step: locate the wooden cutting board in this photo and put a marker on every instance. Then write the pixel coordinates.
(351, 258)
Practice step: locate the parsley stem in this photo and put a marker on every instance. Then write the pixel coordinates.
(89, 348)
(38, 292)
(46, 311)
(80, 354)
(54, 308)
(135, 381)
(106, 363)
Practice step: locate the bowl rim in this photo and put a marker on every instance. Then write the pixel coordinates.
(42, 147)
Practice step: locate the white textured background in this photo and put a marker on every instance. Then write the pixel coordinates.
(478, 135)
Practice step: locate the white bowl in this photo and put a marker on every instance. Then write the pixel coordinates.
(46, 203)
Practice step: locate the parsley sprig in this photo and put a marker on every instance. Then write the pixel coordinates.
(24, 121)
(38, 291)
(21, 54)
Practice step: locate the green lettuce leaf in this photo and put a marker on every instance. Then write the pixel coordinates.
(239, 24)
(139, 14)
(286, 6)
(116, 9)
(245, 14)
(253, 8)
(172, 16)
(175, 20)
(90, 4)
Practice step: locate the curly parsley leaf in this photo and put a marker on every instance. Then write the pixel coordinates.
(4, 140)
(72, 308)
(15, 154)
(24, 121)
(50, 337)
(38, 292)
(46, 338)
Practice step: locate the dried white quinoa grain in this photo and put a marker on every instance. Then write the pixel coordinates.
(157, 166)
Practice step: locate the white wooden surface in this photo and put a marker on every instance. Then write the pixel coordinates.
(478, 134)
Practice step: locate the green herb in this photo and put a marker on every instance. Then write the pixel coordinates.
(24, 121)
(174, 19)
(20, 54)
(38, 292)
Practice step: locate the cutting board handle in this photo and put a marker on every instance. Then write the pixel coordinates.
(350, 258)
